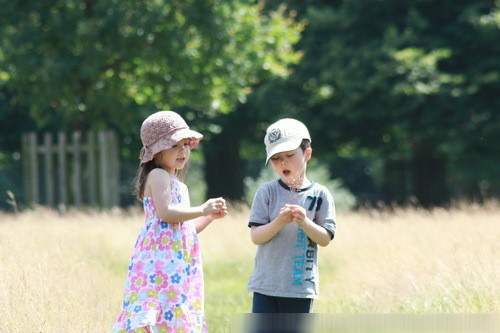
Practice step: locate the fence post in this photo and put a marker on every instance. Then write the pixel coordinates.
(77, 189)
(26, 168)
(104, 167)
(33, 157)
(61, 154)
(49, 172)
(113, 153)
(91, 179)
(91, 164)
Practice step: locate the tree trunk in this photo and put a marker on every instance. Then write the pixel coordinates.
(429, 176)
(396, 180)
(223, 165)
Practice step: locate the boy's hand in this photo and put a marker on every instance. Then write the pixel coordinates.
(285, 215)
(298, 215)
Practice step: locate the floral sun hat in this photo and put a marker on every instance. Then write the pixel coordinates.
(162, 130)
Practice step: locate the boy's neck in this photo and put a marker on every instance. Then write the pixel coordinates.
(298, 185)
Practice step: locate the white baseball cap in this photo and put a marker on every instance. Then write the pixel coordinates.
(284, 135)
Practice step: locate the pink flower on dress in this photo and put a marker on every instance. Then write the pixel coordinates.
(138, 281)
(159, 264)
(138, 267)
(161, 280)
(148, 242)
(164, 240)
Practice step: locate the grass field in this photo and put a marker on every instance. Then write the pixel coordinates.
(65, 272)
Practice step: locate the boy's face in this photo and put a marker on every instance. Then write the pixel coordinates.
(291, 165)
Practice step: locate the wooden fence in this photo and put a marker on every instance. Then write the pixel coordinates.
(71, 171)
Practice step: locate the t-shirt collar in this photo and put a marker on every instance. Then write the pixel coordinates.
(286, 187)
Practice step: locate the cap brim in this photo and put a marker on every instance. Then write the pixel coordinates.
(282, 147)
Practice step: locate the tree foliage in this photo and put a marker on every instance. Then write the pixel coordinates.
(413, 81)
(93, 63)
(406, 88)
(75, 65)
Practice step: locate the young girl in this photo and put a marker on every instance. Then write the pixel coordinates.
(164, 286)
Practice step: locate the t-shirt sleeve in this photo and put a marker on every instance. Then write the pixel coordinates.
(325, 216)
(259, 212)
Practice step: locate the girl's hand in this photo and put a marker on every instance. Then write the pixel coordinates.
(220, 214)
(212, 209)
(216, 207)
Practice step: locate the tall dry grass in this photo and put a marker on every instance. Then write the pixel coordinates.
(65, 272)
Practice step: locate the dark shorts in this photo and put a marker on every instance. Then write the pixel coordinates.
(272, 314)
(272, 304)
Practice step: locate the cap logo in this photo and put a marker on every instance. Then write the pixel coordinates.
(274, 135)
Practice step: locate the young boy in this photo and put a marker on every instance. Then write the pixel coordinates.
(288, 218)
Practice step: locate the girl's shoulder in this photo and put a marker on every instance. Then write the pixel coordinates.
(157, 178)
(159, 174)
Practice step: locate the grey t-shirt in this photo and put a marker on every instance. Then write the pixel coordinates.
(286, 266)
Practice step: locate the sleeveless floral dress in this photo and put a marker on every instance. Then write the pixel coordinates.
(164, 287)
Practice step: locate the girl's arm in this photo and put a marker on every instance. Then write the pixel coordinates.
(202, 222)
(159, 185)
(264, 233)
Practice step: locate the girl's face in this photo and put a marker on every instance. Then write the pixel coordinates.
(291, 165)
(175, 158)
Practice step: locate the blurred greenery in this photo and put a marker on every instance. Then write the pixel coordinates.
(316, 172)
(411, 86)
(401, 98)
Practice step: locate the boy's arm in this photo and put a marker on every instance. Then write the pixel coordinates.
(264, 233)
(315, 232)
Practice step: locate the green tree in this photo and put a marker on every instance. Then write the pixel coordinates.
(413, 83)
(94, 61)
(89, 64)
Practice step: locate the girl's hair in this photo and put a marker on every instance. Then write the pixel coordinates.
(142, 176)
(145, 169)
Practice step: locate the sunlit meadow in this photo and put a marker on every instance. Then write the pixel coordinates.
(65, 272)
